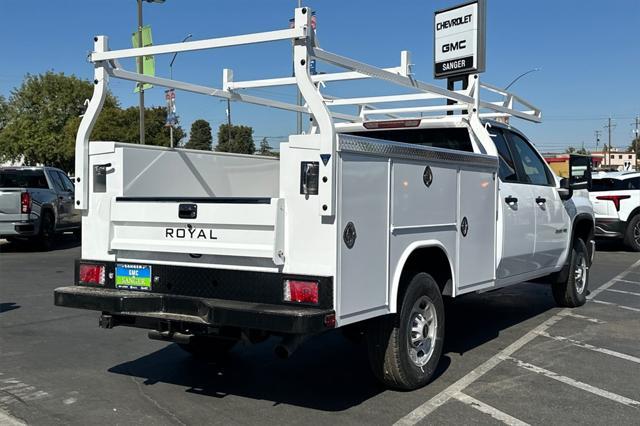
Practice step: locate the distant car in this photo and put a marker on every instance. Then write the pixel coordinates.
(36, 203)
(616, 203)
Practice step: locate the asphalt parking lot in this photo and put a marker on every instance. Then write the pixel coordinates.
(511, 357)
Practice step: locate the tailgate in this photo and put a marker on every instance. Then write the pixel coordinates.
(10, 204)
(244, 227)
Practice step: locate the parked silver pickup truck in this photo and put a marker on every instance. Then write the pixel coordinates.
(36, 203)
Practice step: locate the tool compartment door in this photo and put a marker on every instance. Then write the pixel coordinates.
(477, 219)
(364, 202)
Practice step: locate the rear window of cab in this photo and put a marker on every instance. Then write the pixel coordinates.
(449, 138)
(23, 179)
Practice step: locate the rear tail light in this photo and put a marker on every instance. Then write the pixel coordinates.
(91, 274)
(25, 203)
(301, 291)
(615, 198)
(391, 124)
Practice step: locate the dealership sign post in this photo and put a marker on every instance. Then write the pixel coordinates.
(459, 40)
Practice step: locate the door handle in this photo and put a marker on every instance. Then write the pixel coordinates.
(511, 200)
(540, 200)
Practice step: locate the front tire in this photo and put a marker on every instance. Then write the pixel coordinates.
(573, 292)
(46, 235)
(632, 233)
(405, 348)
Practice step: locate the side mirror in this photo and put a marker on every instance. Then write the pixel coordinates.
(579, 176)
(580, 172)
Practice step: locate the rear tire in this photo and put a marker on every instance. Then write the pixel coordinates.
(208, 348)
(632, 233)
(572, 292)
(405, 348)
(46, 235)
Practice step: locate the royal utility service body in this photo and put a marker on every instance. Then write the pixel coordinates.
(368, 219)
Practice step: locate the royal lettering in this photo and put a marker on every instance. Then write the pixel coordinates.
(189, 233)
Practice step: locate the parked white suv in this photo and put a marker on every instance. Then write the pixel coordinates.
(616, 204)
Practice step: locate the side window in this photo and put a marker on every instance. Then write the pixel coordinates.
(532, 165)
(55, 179)
(507, 170)
(66, 182)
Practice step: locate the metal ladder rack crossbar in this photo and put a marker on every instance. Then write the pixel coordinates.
(317, 104)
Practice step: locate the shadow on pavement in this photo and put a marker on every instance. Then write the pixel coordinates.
(611, 245)
(61, 242)
(10, 306)
(328, 372)
(476, 319)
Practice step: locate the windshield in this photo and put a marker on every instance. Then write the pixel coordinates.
(23, 179)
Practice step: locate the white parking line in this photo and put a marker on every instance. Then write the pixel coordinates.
(8, 420)
(629, 308)
(429, 406)
(613, 280)
(487, 409)
(623, 291)
(591, 347)
(629, 281)
(582, 317)
(576, 384)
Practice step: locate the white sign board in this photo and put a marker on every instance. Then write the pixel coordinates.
(459, 40)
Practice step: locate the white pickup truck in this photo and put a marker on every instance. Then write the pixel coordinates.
(369, 218)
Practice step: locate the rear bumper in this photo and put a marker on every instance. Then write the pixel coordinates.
(156, 310)
(609, 228)
(18, 229)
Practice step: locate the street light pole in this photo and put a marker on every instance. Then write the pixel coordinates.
(141, 61)
(171, 78)
(522, 75)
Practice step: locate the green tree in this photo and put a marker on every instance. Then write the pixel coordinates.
(570, 150)
(635, 145)
(583, 151)
(200, 136)
(4, 111)
(122, 125)
(35, 116)
(241, 139)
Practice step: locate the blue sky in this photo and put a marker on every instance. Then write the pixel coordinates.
(589, 52)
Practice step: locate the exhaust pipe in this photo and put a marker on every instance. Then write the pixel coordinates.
(288, 345)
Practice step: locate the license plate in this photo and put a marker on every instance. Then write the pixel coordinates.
(133, 277)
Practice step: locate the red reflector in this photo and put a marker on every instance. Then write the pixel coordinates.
(615, 198)
(330, 320)
(391, 124)
(91, 274)
(25, 203)
(301, 291)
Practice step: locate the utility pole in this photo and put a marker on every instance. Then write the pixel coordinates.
(141, 85)
(229, 121)
(609, 127)
(598, 133)
(171, 78)
(636, 140)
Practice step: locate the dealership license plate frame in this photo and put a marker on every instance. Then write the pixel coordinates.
(126, 279)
